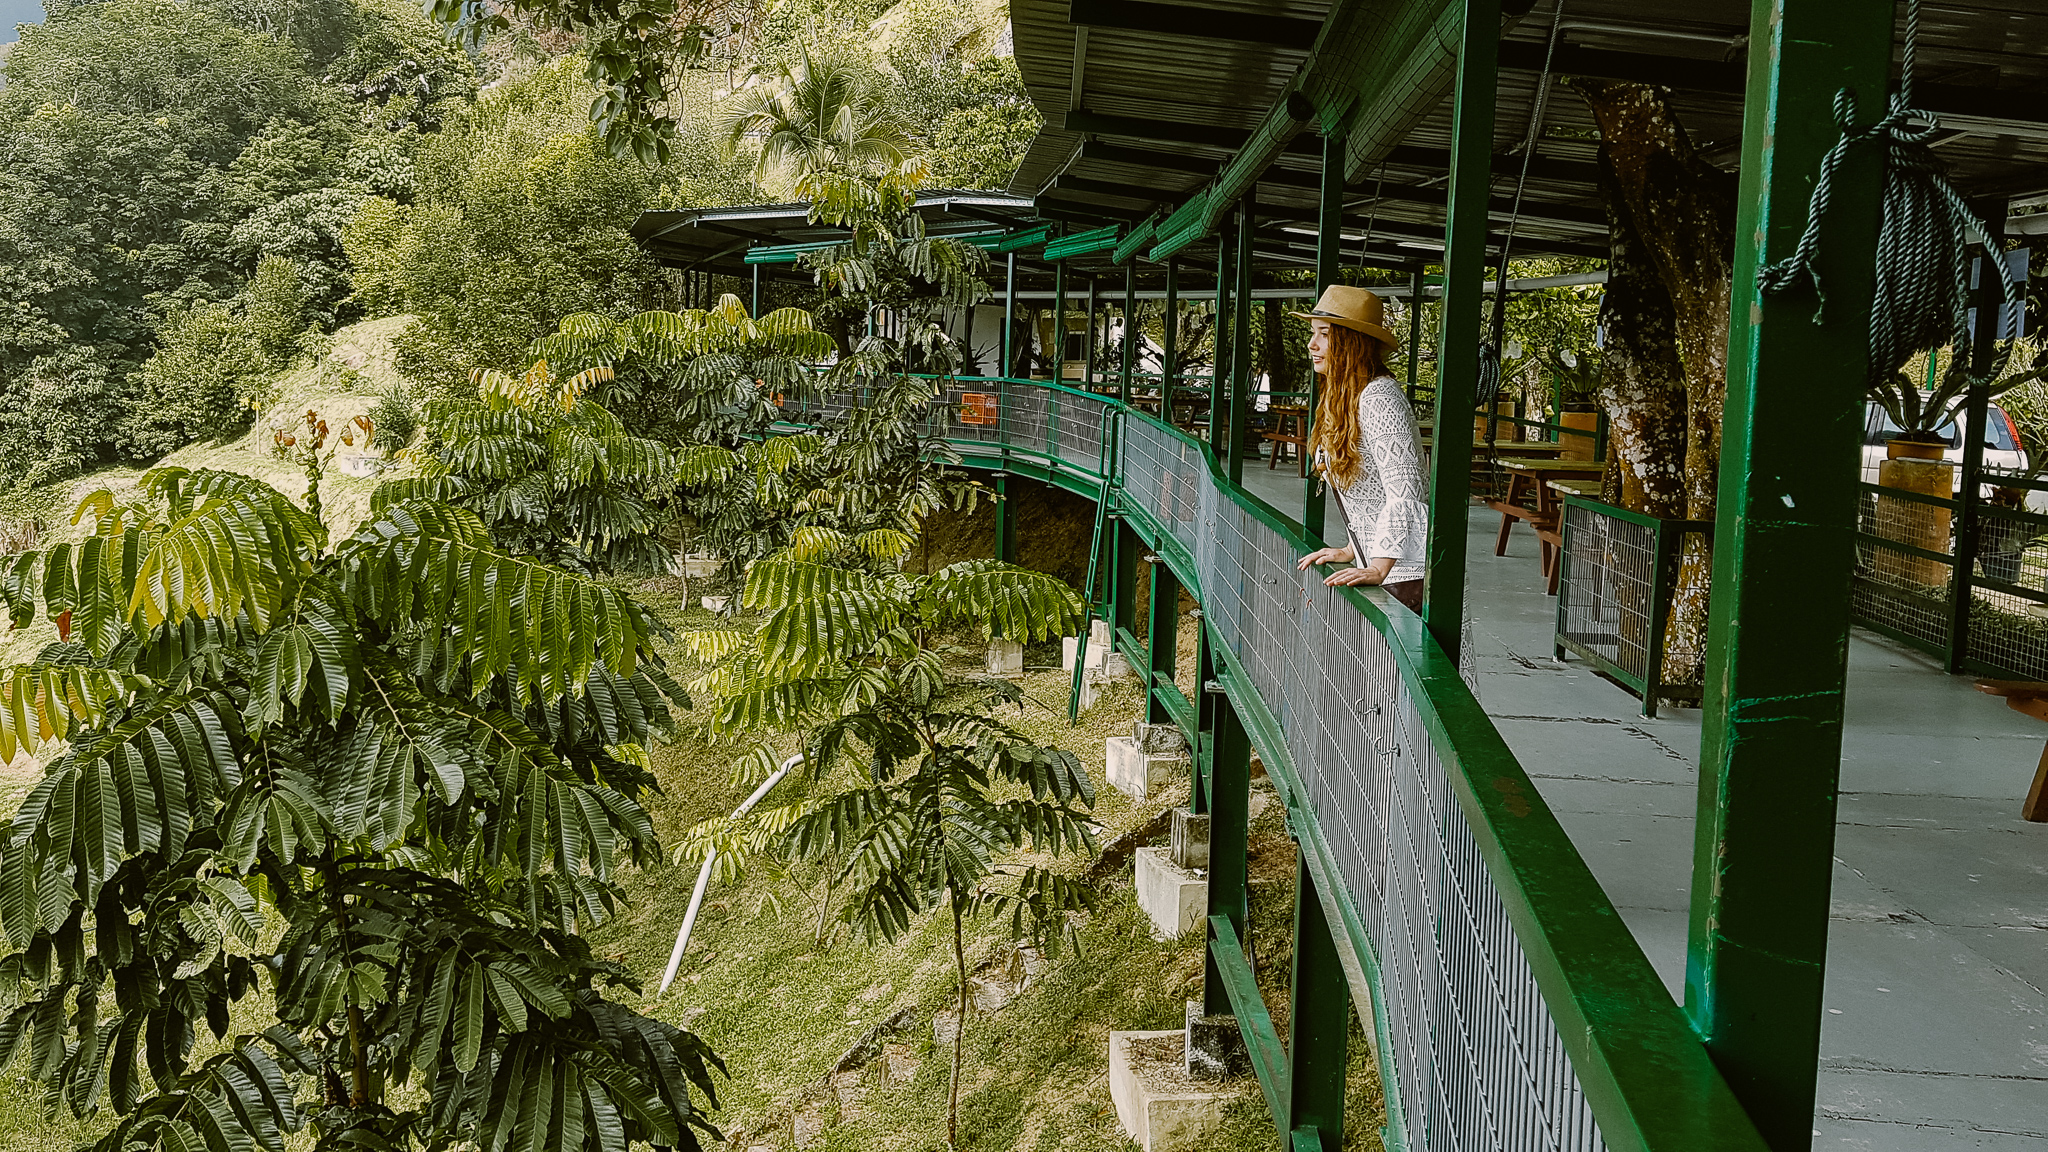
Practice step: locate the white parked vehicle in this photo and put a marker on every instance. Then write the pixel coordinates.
(2002, 448)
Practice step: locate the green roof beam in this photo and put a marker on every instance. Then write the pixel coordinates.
(1084, 243)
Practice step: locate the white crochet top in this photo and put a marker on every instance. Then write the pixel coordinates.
(1386, 507)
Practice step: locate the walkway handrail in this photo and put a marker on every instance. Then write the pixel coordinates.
(1636, 1075)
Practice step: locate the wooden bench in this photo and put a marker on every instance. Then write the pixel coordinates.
(1283, 416)
(2030, 697)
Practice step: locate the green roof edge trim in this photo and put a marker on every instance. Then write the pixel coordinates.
(1083, 243)
(1023, 238)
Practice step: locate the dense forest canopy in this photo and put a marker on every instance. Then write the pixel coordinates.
(193, 193)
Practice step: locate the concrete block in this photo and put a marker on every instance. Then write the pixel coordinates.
(1068, 646)
(1158, 1105)
(1159, 739)
(1097, 651)
(1135, 773)
(1091, 690)
(1098, 633)
(715, 603)
(1173, 898)
(701, 567)
(1005, 657)
(1116, 667)
(1214, 1048)
(1188, 839)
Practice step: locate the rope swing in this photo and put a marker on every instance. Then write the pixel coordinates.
(1922, 297)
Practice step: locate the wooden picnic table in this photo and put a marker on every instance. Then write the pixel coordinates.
(1527, 481)
(1552, 533)
(2030, 697)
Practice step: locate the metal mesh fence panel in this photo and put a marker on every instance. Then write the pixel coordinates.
(1898, 587)
(1476, 1055)
(2009, 610)
(1607, 603)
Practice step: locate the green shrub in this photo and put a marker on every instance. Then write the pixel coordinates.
(205, 381)
(395, 419)
(277, 308)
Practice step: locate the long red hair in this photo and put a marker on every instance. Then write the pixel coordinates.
(1354, 360)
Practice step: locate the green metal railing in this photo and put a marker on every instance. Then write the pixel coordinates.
(1508, 1005)
(1614, 591)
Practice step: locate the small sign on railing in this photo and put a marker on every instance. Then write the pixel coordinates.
(978, 408)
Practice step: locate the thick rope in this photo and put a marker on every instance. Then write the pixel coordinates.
(1922, 294)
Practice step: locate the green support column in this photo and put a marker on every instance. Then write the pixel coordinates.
(1241, 345)
(1169, 344)
(756, 313)
(1006, 521)
(1009, 317)
(1988, 300)
(1130, 345)
(1415, 326)
(1206, 705)
(1329, 248)
(1318, 1023)
(1059, 321)
(1219, 414)
(1162, 639)
(1771, 739)
(1457, 358)
(1230, 786)
(1088, 343)
(1123, 579)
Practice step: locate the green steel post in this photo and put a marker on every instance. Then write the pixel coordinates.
(1241, 346)
(1989, 302)
(1219, 366)
(1169, 342)
(1230, 785)
(1059, 321)
(1778, 637)
(1010, 317)
(1319, 1019)
(1206, 707)
(1088, 342)
(756, 313)
(1006, 523)
(1329, 250)
(1130, 346)
(1123, 580)
(1414, 328)
(1457, 357)
(1162, 638)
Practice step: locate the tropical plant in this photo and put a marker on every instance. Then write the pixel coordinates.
(549, 471)
(822, 132)
(924, 786)
(367, 796)
(701, 376)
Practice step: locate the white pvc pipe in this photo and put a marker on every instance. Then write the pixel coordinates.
(675, 958)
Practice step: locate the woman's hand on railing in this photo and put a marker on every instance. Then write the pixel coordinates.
(1373, 573)
(1326, 556)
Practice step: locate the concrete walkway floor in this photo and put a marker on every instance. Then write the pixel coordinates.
(1936, 1034)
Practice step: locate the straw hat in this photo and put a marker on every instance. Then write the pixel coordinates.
(1354, 308)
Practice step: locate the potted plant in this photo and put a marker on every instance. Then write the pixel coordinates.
(1925, 418)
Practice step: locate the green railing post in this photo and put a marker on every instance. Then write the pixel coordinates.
(1006, 523)
(1241, 346)
(756, 312)
(1206, 704)
(1329, 253)
(1414, 327)
(1009, 367)
(1088, 341)
(1318, 1021)
(1219, 415)
(1130, 348)
(1162, 639)
(1169, 344)
(1059, 321)
(1771, 740)
(1123, 580)
(1230, 784)
(1457, 358)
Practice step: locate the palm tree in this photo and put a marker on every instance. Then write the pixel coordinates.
(824, 134)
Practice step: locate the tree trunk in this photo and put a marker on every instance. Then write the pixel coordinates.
(959, 1035)
(1642, 383)
(1682, 209)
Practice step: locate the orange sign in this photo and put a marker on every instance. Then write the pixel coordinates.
(978, 408)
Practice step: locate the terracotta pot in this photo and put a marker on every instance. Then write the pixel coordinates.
(1912, 522)
(1913, 450)
(1578, 447)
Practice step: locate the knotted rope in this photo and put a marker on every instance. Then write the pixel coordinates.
(1922, 296)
